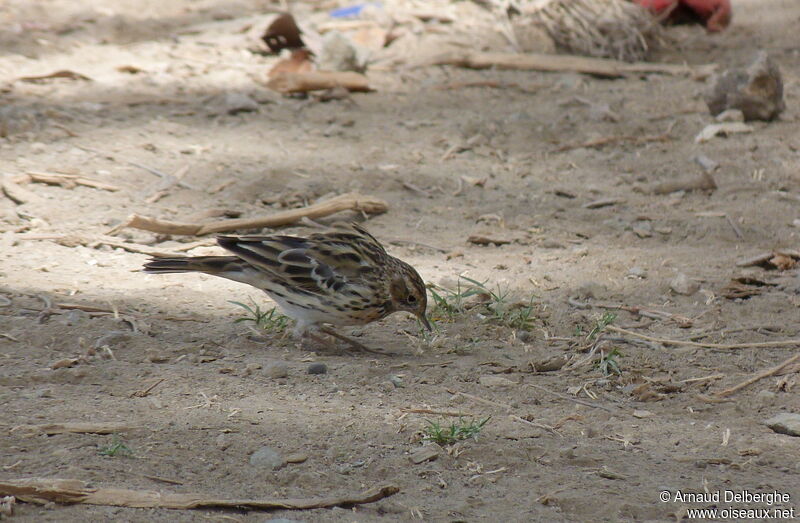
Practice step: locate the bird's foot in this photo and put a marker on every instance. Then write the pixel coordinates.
(329, 344)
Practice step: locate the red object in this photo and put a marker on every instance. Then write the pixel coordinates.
(714, 14)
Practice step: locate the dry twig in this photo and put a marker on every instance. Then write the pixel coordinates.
(287, 82)
(610, 140)
(70, 491)
(438, 412)
(758, 376)
(666, 341)
(76, 428)
(71, 240)
(570, 398)
(569, 63)
(343, 202)
(67, 181)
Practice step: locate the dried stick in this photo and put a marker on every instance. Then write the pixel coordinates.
(703, 182)
(68, 181)
(344, 202)
(569, 63)
(17, 193)
(438, 412)
(76, 428)
(288, 82)
(665, 341)
(70, 240)
(758, 376)
(69, 491)
(608, 140)
(570, 398)
(484, 401)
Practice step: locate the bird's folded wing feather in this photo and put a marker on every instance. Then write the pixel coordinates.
(316, 265)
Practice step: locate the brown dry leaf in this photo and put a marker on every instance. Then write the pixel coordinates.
(744, 287)
(299, 62)
(474, 181)
(130, 69)
(64, 73)
(645, 393)
(548, 364)
(65, 363)
(786, 383)
(283, 33)
(782, 262)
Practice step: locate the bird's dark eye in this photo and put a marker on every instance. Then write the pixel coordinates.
(411, 299)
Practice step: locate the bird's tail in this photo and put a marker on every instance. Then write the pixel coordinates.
(216, 265)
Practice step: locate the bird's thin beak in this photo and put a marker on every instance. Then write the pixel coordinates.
(425, 322)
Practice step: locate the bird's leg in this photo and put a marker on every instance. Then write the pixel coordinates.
(353, 343)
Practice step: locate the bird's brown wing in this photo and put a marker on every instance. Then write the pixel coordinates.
(324, 264)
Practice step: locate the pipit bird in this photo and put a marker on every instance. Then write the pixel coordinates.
(339, 277)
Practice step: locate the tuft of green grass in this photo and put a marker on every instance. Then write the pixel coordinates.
(270, 321)
(457, 431)
(521, 317)
(117, 447)
(600, 325)
(608, 363)
(504, 312)
(449, 304)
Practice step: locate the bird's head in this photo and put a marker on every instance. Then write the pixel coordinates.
(408, 293)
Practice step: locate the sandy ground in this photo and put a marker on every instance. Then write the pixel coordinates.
(567, 445)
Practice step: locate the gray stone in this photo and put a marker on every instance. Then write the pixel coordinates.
(267, 457)
(637, 272)
(422, 454)
(785, 423)
(277, 369)
(396, 380)
(235, 103)
(223, 441)
(681, 284)
(756, 91)
(317, 368)
(340, 54)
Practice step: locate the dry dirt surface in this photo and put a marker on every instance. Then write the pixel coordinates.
(586, 421)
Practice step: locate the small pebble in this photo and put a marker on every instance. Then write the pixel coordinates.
(317, 368)
(223, 441)
(277, 369)
(267, 457)
(156, 356)
(235, 103)
(637, 272)
(785, 423)
(250, 368)
(524, 336)
(297, 457)
(681, 284)
(422, 454)
(496, 381)
(397, 381)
